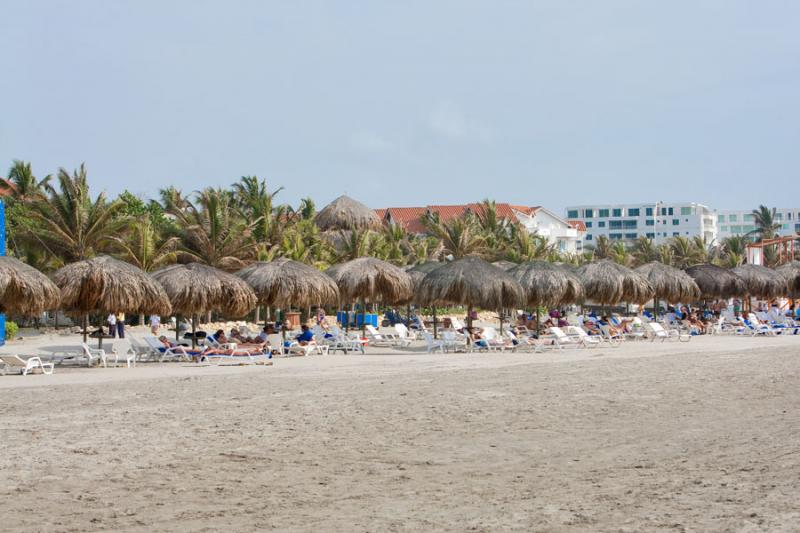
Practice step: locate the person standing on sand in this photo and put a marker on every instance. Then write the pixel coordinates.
(121, 325)
(112, 325)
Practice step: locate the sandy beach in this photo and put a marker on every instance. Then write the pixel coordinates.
(698, 436)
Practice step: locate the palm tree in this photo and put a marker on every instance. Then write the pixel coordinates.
(255, 202)
(601, 248)
(143, 246)
(644, 250)
(496, 231)
(619, 253)
(529, 247)
(460, 237)
(764, 220)
(733, 251)
(68, 223)
(212, 231)
(22, 184)
(685, 252)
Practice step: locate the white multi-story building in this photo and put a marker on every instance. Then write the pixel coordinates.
(730, 222)
(658, 221)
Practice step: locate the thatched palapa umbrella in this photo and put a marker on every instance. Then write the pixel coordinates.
(472, 282)
(609, 283)
(367, 279)
(105, 284)
(344, 213)
(791, 272)
(716, 282)
(547, 284)
(669, 283)
(195, 288)
(24, 290)
(762, 282)
(283, 283)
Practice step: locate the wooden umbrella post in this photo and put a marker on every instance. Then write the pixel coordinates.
(194, 331)
(100, 333)
(85, 327)
(435, 332)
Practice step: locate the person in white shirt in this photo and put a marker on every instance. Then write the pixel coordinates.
(112, 325)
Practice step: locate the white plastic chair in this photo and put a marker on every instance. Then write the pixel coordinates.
(25, 366)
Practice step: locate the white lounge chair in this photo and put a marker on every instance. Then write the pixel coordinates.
(24, 366)
(523, 342)
(491, 341)
(433, 344)
(658, 332)
(403, 333)
(562, 339)
(177, 352)
(584, 338)
(454, 341)
(377, 338)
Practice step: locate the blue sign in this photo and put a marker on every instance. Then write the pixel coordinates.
(2, 253)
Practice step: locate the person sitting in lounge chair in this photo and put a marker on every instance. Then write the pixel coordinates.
(612, 329)
(305, 336)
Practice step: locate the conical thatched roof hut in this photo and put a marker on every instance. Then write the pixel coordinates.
(284, 283)
(791, 272)
(669, 283)
(24, 290)
(762, 282)
(547, 284)
(717, 282)
(472, 282)
(371, 280)
(344, 213)
(105, 284)
(195, 289)
(607, 282)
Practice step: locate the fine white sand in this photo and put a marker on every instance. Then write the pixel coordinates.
(699, 436)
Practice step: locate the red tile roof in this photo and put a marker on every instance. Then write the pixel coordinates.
(577, 224)
(409, 217)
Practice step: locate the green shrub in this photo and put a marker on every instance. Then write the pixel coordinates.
(11, 330)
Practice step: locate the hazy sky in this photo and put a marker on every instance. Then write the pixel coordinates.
(412, 103)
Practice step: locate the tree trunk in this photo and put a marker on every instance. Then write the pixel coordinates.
(194, 330)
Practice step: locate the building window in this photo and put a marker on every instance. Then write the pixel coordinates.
(675, 221)
(786, 226)
(778, 216)
(588, 213)
(588, 236)
(676, 233)
(572, 213)
(747, 218)
(616, 212)
(663, 211)
(633, 212)
(630, 235)
(650, 235)
(601, 224)
(736, 229)
(686, 210)
(748, 227)
(731, 218)
(649, 222)
(723, 229)
(615, 236)
(588, 224)
(648, 211)
(615, 224)
(670, 211)
(797, 227)
(602, 213)
(789, 215)
(629, 224)
(720, 218)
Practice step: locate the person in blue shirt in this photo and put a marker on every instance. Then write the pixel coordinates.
(305, 337)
